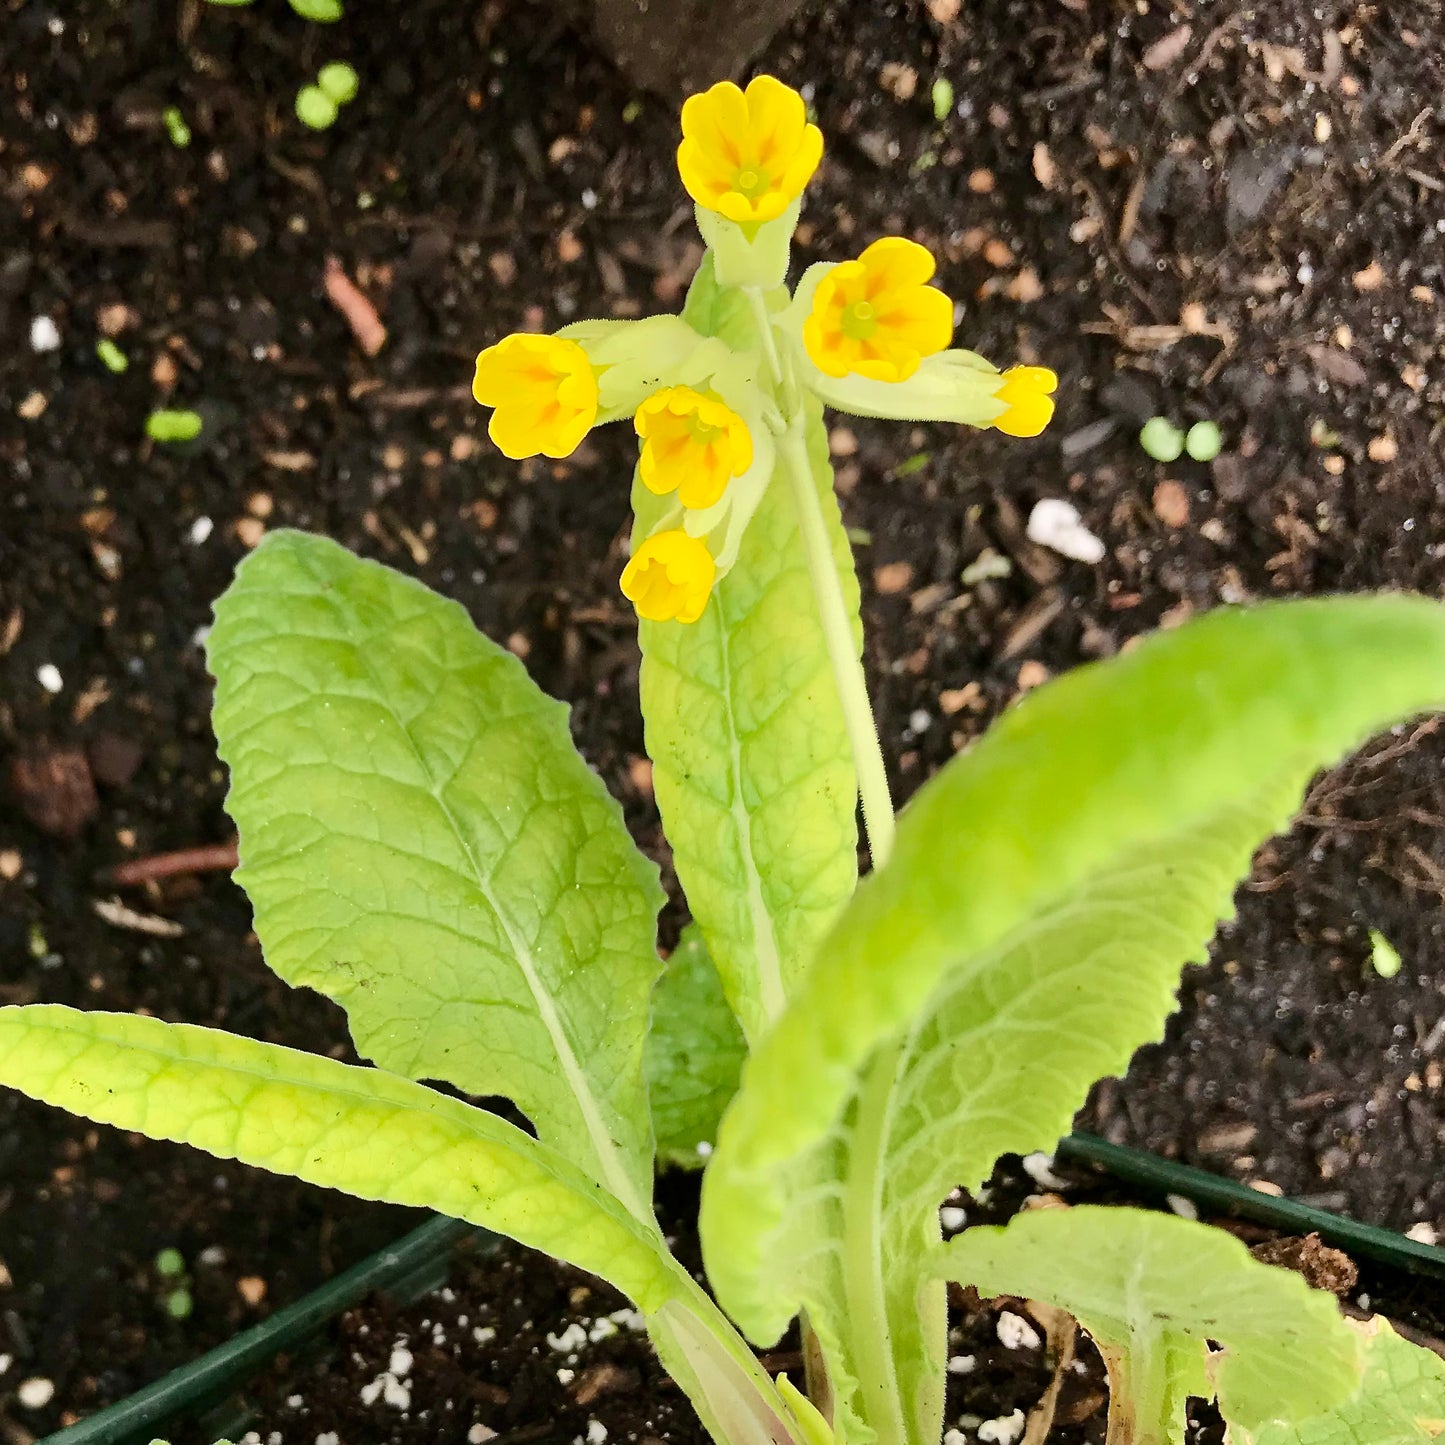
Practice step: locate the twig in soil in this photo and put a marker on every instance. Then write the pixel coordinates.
(119, 916)
(1063, 1333)
(214, 857)
(348, 298)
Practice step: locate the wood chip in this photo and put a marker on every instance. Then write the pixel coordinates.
(119, 916)
(945, 11)
(352, 303)
(892, 578)
(1168, 48)
(1382, 448)
(1171, 504)
(1370, 279)
(1046, 173)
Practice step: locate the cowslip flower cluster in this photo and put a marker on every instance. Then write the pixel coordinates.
(715, 405)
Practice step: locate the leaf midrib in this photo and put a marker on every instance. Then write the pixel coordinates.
(771, 995)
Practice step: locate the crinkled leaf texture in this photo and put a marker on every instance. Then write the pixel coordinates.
(365, 1131)
(422, 843)
(1401, 1400)
(695, 1051)
(751, 762)
(1155, 1292)
(1025, 938)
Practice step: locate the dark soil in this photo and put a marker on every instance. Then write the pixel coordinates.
(1244, 223)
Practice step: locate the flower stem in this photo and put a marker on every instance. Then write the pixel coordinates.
(842, 653)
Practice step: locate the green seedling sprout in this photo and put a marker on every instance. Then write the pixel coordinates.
(322, 12)
(1161, 439)
(179, 1304)
(338, 81)
(111, 356)
(1384, 956)
(315, 108)
(849, 1051)
(942, 94)
(176, 127)
(1204, 441)
(174, 426)
(170, 1264)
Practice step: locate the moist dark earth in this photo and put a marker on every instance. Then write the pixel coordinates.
(1211, 211)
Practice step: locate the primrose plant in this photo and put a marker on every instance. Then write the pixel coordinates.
(421, 843)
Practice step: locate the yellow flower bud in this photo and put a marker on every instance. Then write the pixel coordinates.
(544, 391)
(1027, 392)
(692, 444)
(747, 154)
(877, 316)
(670, 576)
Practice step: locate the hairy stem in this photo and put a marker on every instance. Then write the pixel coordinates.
(842, 654)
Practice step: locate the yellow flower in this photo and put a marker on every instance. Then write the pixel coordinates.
(693, 445)
(670, 576)
(877, 316)
(544, 391)
(1027, 392)
(747, 155)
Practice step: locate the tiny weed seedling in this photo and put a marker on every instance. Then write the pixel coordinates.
(111, 356)
(174, 426)
(1161, 439)
(318, 105)
(421, 842)
(1204, 441)
(176, 127)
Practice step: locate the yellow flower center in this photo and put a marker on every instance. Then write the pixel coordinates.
(860, 321)
(751, 183)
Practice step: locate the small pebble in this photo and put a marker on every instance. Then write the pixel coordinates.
(1184, 1208)
(36, 1392)
(479, 1434)
(252, 1289)
(48, 676)
(954, 1437)
(44, 335)
(1016, 1333)
(952, 1218)
(596, 1432)
(1002, 1431)
(1422, 1233)
(919, 721)
(962, 1364)
(401, 1361)
(201, 528)
(1056, 524)
(1040, 1168)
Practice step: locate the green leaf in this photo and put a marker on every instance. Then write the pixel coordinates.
(368, 1132)
(323, 12)
(421, 842)
(1154, 1291)
(694, 1052)
(1025, 938)
(721, 311)
(1401, 1400)
(752, 767)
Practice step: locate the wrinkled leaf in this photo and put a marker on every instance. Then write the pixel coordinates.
(752, 767)
(421, 842)
(1025, 938)
(365, 1131)
(1154, 1291)
(694, 1052)
(1401, 1400)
